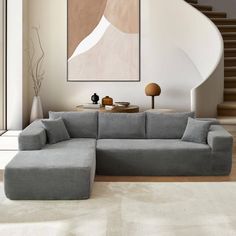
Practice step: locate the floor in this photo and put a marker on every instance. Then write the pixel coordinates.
(2, 131)
(8, 148)
(128, 209)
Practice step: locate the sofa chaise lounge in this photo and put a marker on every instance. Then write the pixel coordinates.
(141, 144)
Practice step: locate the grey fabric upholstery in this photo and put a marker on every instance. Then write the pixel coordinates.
(121, 126)
(219, 139)
(221, 143)
(66, 170)
(55, 130)
(196, 131)
(78, 124)
(33, 137)
(167, 125)
(60, 171)
(152, 157)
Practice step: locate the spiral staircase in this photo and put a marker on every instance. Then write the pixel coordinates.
(227, 27)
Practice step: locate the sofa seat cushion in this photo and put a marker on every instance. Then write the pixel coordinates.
(152, 157)
(60, 171)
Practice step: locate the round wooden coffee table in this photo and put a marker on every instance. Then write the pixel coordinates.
(129, 109)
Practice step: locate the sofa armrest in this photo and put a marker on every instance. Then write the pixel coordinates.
(219, 139)
(32, 137)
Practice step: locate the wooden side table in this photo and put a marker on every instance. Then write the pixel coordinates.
(162, 110)
(129, 109)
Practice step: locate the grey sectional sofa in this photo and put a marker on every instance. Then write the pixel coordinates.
(146, 144)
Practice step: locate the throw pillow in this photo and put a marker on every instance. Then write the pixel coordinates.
(56, 130)
(196, 131)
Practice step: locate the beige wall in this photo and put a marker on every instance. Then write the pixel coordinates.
(168, 66)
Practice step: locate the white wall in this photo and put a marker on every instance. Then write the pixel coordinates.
(167, 65)
(228, 6)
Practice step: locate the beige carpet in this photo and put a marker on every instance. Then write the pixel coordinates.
(128, 209)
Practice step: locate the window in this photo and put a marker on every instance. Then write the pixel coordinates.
(2, 66)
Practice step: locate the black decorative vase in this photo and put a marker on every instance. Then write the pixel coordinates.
(95, 98)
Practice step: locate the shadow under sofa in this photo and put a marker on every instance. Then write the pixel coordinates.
(140, 144)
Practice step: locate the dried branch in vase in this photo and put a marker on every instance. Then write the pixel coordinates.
(35, 63)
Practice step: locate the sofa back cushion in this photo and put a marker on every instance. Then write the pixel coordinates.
(167, 125)
(121, 126)
(78, 124)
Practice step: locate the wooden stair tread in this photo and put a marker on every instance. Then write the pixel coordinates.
(202, 7)
(230, 49)
(230, 90)
(228, 33)
(230, 61)
(215, 13)
(230, 67)
(224, 19)
(229, 82)
(230, 58)
(191, 1)
(227, 28)
(230, 41)
(227, 120)
(230, 79)
(227, 105)
(199, 5)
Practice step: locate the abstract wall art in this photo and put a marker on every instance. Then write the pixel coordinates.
(103, 41)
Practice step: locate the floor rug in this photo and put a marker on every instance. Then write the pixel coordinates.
(128, 209)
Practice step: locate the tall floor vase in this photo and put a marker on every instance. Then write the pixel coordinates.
(36, 110)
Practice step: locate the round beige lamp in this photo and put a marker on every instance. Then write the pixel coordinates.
(153, 90)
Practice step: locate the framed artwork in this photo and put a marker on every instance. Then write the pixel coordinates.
(103, 40)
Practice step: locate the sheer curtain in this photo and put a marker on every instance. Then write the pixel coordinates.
(2, 65)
